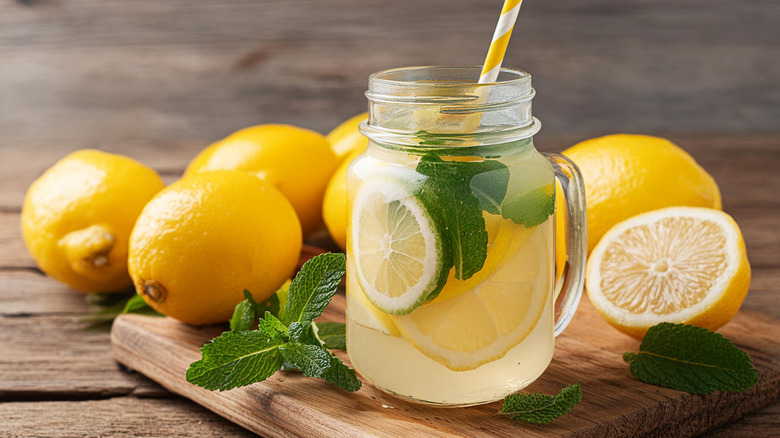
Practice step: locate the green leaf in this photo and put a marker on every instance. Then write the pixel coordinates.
(532, 208)
(333, 335)
(244, 314)
(271, 326)
(447, 191)
(242, 357)
(489, 183)
(313, 287)
(691, 359)
(270, 305)
(236, 359)
(113, 305)
(341, 375)
(541, 408)
(312, 360)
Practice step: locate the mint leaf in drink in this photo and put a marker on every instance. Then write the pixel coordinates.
(236, 358)
(245, 356)
(244, 314)
(531, 208)
(691, 359)
(447, 191)
(314, 286)
(333, 335)
(489, 183)
(541, 408)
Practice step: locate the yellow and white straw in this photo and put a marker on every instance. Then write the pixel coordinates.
(495, 55)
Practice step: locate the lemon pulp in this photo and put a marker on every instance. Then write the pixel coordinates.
(678, 264)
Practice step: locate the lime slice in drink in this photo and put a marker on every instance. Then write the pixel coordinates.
(401, 257)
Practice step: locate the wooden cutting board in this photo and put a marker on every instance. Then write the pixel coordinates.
(589, 352)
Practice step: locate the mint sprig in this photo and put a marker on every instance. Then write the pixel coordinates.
(246, 312)
(447, 192)
(456, 193)
(333, 335)
(113, 305)
(245, 356)
(541, 408)
(312, 289)
(531, 208)
(691, 359)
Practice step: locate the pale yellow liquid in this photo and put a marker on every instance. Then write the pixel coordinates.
(381, 354)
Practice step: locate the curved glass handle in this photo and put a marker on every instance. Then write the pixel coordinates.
(568, 288)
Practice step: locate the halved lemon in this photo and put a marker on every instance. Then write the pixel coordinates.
(401, 257)
(677, 264)
(485, 322)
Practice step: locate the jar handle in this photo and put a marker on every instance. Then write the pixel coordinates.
(568, 288)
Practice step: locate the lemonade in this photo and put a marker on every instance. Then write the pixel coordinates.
(451, 240)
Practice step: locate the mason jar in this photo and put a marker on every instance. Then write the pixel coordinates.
(452, 269)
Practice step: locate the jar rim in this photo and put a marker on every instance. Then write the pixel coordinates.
(506, 76)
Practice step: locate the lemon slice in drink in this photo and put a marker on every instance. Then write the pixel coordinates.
(677, 264)
(401, 258)
(505, 238)
(485, 322)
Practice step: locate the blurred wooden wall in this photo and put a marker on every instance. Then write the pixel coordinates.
(160, 72)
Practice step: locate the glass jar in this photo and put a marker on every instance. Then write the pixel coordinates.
(451, 247)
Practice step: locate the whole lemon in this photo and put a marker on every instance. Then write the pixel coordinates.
(345, 138)
(334, 206)
(297, 161)
(204, 239)
(630, 174)
(77, 218)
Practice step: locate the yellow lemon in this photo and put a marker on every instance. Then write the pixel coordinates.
(297, 161)
(677, 264)
(630, 174)
(345, 139)
(334, 204)
(77, 217)
(203, 240)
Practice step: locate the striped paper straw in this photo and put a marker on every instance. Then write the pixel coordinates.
(501, 36)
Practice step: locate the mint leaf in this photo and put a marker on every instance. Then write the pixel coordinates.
(271, 326)
(113, 305)
(136, 304)
(333, 335)
(691, 359)
(236, 359)
(541, 408)
(448, 192)
(312, 360)
(341, 375)
(489, 183)
(313, 287)
(244, 314)
(532, 208)
(245, 356)
(281, 300)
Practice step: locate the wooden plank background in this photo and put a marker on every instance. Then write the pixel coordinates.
(159, 80)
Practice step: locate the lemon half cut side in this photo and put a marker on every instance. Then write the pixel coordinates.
(677, 264)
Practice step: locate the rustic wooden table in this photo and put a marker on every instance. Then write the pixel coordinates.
(160, 80)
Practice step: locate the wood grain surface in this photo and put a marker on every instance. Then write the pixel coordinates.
(158, 81)
(589, 352)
